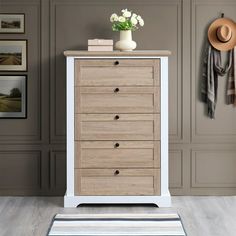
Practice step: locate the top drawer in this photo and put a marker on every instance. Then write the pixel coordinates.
(117, 72)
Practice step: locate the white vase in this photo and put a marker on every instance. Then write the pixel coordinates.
(126, 43)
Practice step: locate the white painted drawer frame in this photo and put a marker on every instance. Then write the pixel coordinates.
(70, 200)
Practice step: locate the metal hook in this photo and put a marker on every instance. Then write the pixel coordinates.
(222, 15)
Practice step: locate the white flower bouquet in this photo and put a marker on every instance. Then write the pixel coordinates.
(127, 21)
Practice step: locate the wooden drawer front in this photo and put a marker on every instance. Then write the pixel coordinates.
(106, 182)
(126, 100)
(118, 72)
(127, 127)
(120, 154)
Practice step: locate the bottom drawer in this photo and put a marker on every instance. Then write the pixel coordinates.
(120, 182)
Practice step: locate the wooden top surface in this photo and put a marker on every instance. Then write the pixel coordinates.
(143, 53)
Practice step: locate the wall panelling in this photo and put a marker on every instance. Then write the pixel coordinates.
(32, 150)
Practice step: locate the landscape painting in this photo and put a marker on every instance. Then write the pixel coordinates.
(12, 23)
(13, 55)
(12, 96)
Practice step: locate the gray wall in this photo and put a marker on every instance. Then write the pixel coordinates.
(202, 151)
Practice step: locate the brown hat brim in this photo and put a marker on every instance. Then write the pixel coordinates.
(212, 36)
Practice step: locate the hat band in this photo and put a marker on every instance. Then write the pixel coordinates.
(222, 40)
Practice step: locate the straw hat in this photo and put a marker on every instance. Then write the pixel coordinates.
(222, 34)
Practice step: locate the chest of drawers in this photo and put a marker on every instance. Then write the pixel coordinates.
(117, 127)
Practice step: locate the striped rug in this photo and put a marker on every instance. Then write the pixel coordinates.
(116, 225)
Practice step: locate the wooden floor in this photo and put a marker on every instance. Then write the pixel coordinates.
(201, 216)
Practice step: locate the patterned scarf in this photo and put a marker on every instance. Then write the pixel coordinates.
(212, 68)
(231, 86)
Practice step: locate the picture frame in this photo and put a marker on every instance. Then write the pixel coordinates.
(13, 96)
(13, 55)
(12, 23)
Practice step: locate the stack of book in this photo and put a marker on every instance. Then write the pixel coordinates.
(100, 45)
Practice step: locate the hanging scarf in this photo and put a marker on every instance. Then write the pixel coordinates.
(212, 68)
(231, 86)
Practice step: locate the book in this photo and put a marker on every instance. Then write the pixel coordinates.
(100, 48)
(98, 42)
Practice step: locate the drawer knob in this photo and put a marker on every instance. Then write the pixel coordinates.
(116, 90)
(116, 63)
(117, 145)
(117, 117)
(117, 172)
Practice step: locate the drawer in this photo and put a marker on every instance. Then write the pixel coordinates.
(118, 72)
(108, 127)
(117, 99)
(118, 154)
(126, 182)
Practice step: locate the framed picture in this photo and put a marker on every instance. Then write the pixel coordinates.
(12, 23)
(13, 55)
(13, 90)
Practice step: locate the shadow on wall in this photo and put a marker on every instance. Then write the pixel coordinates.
(95, 31)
